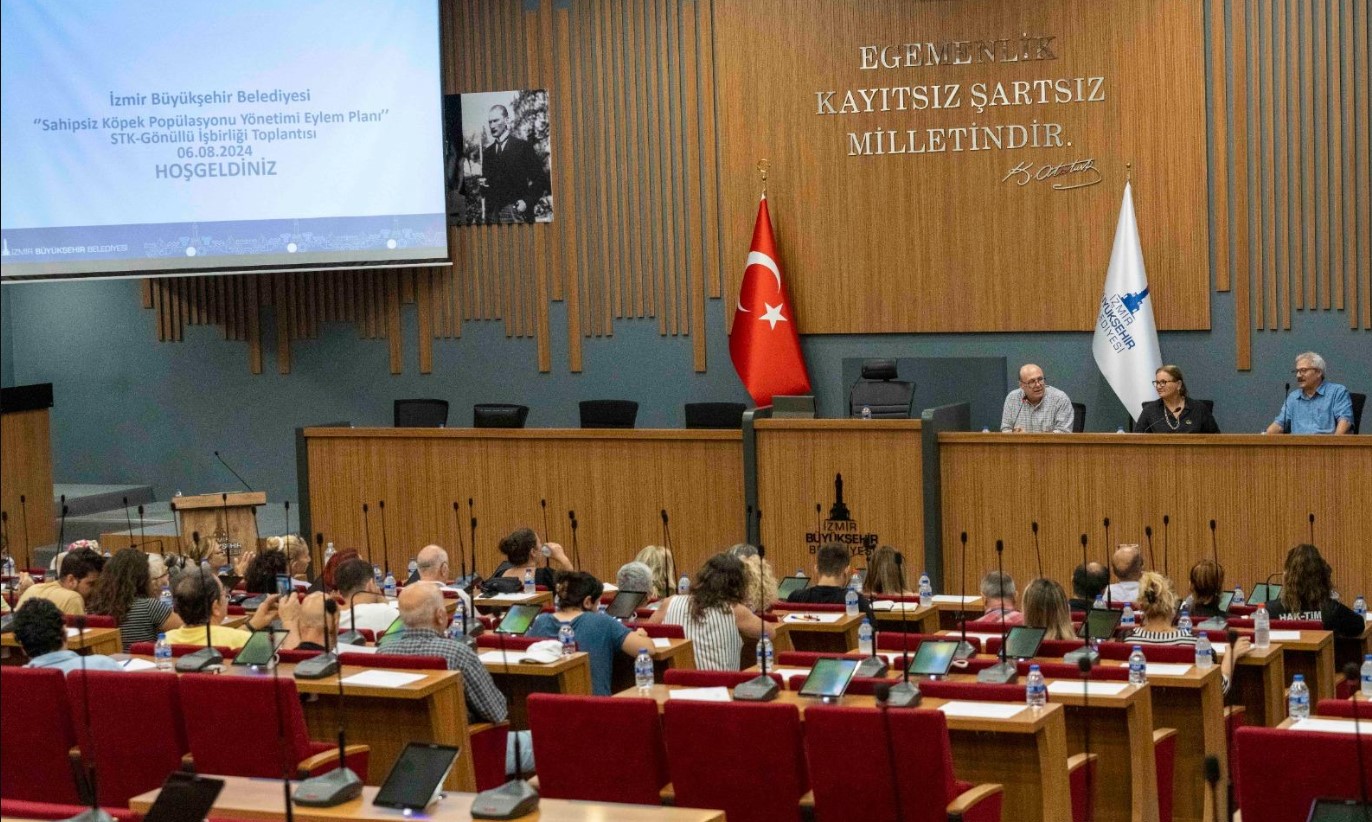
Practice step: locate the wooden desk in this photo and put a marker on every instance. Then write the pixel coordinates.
(261, 799)
(1352, 649)
(950, 614)
(1193, 704)
(503, 604)
(916, 619)
(568, 675)
(1026, 754)
(838, 636)
(1313, 656)
(97, 641)
(1260, 686)
(679, 654)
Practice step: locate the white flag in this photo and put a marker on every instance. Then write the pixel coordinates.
(1126, 342)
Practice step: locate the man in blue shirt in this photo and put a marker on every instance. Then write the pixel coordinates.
(39, 629)
(1316, 407)
(599, 635)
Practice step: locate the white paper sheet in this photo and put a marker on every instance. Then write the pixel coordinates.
(1067, 687)
(787, 673)
(498, 657)
(895, 607)
(1285, 636)
(661, 642)
(138, 665)
(720, 694)
(382, 679)
(518, 596)
(357, 649)
(1330, 726)
(72, 633)
(802, 618)
(982, 710)
(953, 598)
(1164, 668)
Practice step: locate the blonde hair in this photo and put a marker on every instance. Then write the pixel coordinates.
(291, 545)
(659, 560)
(1156, 598)
(1045, 606)
(761, 583)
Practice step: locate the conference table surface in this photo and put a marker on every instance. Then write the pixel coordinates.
(261, 799)
(96, 641)
(1025, 753)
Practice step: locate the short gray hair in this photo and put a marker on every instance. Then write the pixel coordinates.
(996, 585)
(743, 550)
(1315, 360)
(635, 576)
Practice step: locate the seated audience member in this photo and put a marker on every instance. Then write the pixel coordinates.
(1128, 565)
(128, 591)
(714, 615)
(1045, 606)
(74, 545)
(20, 585)
(315, 630)
(42, 634)
(635, 576)
(1315, 406)
(833, 570)
(1088, 582)
(79, 571)
(521, 550)
(216, 559)
(886, 574)
(761, 590)
(199, 599)
(263, 569)
(1307, 583)
(1174, 412)
(659, 559)
(296, 551)
(600, 635)
(1158, 609)
(361, 597)
(426, 619)
(1207, 583)
(1036, 406)
(433, 566)
(331, 567)
(998, 592)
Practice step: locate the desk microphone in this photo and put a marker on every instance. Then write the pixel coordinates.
(319, 573)
(965, 649)
(905, 694)
(94, 813)
(385, 543)
(471, 508)
(547, 552)
(340, 784)
(1083, 552)
(142, 530)
(762, 688)
(128, 519)
(1152, 558)
(24, 520)
(1002, 672)
(62, 529)
(209, 656)
(516, 798)
(576, 550)
(1312, 527)
(282, 750)
(882, 691)
(1166, 560)
(352, 636)
(367, 533)
(231, 471)
(1109, 598)
(1038, 554)
(1214, 545)
(671, 554)
(757, 519)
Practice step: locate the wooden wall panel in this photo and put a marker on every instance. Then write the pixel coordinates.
(881, 464)
(26, 470)
(1259, 490)
(616, 481)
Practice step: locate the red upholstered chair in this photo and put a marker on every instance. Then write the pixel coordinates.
(512, 642)
(1165, 761)
(1242, 610)
(147, 648)
(1061, 670)
(895, 641)
(807, 659)
(36, 719)
(246, 708)
(488, 753)
(1120, 652)
(708, 679)
(1280, 772)
(742, 757)
(134, 749)
(1246, 624)
(25, 809)
(659, 630)
(631, 727)
(92, 621)
(983, 692)
(403, 662)
(818, 607)
(1049, 649)
(920, 753)
(1346, 708)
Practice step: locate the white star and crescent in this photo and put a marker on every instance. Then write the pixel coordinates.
(758, 258)
(773, 314)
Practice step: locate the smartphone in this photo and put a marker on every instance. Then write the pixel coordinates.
(283, 584)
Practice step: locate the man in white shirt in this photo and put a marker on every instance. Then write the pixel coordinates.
(1127, 564)
(433, 567)
(357, 585)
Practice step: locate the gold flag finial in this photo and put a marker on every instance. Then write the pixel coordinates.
(1129, 172)
(762, 166)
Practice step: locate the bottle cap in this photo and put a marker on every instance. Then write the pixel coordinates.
(1033, 667)
(1298, 678)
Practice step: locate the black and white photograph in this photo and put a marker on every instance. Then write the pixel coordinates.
(498, 159)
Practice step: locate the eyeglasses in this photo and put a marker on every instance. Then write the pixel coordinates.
(1300, 371)
(1034, 381)
(1161, 383)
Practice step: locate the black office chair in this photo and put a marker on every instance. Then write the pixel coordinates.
(1359, 400)
(879, 390)
(421, 413)
(608, 413)
(499, 415)
(1078, 417)
(715, 414)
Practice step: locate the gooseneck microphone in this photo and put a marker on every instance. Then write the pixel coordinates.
(352, 636)
(471, 514)
(319, 574)
(231, 471)
(94, 813)
(209, 656)
(128, 519)
(1152, 559)
(228, 537)
(24, 520)
(905, 694)
(367, 533)
(1109, 597)
(576, 550)
(340, 784)
(1002, 672)
(1312, 527)
(461, 546)
(761, 688)
(882, 691)
(1214, 544)
(547, 552)
(1083, 551)
(1038, 554)
(385, 543)
(757, 520)
(282, 751)
(142, 529)
(516, 797)
(965, 649)
(62, 528)
(1084, 664)
(1166, 561)
(671, 554)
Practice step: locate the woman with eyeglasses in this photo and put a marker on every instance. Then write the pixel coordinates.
(1173, 412)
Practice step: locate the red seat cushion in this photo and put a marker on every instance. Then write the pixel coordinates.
(1280, 772)
(37, 734)
(560, 726)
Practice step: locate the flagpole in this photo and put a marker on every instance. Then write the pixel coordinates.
(762, 166)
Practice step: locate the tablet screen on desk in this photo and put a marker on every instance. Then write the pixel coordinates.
(416, 777)
(1226, 599)
(790, 585)
(518, 619)
(1101, 623)
(829, 678)
(625, 603)
(933, 659)
(395, 629)
(185, 797)
(259, 649)
(1023, 642)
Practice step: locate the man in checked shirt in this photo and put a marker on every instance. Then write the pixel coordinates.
(426, 620)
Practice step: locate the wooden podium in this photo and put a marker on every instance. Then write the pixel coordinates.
(219, 517)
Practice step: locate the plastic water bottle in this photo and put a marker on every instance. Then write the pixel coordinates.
(850, 602)
(1367, 677)
(1262, 628)
(1184, 621)
(1298, 698)
(1205, 655)
(1138, 667)
(528, 580)
(1238, 596)
(1334, 594)
(765, 652)
(800, 572)
(455, 627)
(166, 595)
(1099, 604)
(1360, 606)
(855, 582)
(926, 589)
(9, 566)
(865, 637)
(1035, 689)
(388, 587)
(567, 637)
(643, 671)
(683, 585)
(162, 653)
(866, 412)
(412, 569)
(604, 609)
(329, 551)
(376, 574)
(1127, 621)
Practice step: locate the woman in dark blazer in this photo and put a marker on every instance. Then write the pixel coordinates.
(1173, 412)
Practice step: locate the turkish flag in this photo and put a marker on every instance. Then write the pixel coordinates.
(764, 343)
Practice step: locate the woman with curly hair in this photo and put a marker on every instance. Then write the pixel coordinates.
(714, 615)
(1158, 605)
(127, 591)
(1305, 594)
(265, 567)
(761, 590)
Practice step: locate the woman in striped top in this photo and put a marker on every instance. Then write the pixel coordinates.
(714, 615)
(1158, 604)
(128, 590)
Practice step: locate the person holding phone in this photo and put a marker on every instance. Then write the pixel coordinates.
(600, 635)
(263, 570)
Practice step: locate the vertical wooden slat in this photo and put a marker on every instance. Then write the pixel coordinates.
(1280, 121)
(424, 309)
(1219, 127)
(1320, 147)
(1309, 102)
(581, 147)
(1363, 73)
(565, 280)
(617, 45)
(642, 255)
(253, 283)
(393, 324)
(672, 214)
(182, 315)
(456, 278)
(1337, 106)
(665, 165)
(283, 325)
(695, 269)
(157, 303)
(709, 171)
(552, 69)
(1240, 38)
(652, 45)
(605, 173)
(145, 292)
(1264, 161)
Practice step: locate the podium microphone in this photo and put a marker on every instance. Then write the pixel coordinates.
(965, 649)
(1038, 554)
(94, 813)
(1002, 672)
(231, 471)
(905, 694)
(340, 784)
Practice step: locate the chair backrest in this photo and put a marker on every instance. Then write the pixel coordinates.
(880, 391)
(608, 413)
(232, 724)
(1061, 670)
(848, 789)
(708, 679)
(715, 414)
(1246, 624)
(1078, 417)
(511, 642)
(421, 413)
(1048, 649)
(1359, 401)
(896, 641)
(37, 735)
(499, 415)
(1153, 653)
(744, 758)
(561, 726)
(147, 649)
(404, 662)
(1348, 709)
(819, 607)
(976, 691)
(134, 747)
(92, 621)
(659, 629)
(25, 809)
(1280, 772)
